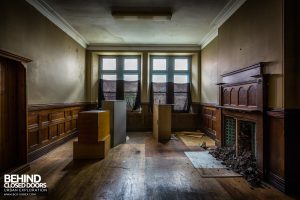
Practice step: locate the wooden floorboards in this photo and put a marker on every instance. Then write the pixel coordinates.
(140, 169)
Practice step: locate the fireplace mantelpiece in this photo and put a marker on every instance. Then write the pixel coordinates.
(242, 97)
(243, 90)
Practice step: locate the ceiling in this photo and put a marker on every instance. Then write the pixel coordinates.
(92, 19)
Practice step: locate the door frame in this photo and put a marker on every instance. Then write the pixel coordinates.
(22, 110)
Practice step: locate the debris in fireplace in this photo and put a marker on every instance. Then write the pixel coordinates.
(244, 163)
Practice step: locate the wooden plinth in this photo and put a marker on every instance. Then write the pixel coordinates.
(93, 126)
(91, 151)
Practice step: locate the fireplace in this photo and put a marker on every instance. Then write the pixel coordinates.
(240, 134)
(246, 137)
(242, 104)
(239, 151)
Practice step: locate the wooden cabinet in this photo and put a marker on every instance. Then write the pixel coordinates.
(117, 110)
(162, 121)
(94, 138)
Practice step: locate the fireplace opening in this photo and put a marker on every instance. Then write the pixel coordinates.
(246, 138)
(238, 151)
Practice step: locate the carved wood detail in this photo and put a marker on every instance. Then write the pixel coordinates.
(243, 95)
(243, 89)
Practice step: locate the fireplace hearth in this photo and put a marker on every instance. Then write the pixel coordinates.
(244, 164)
(239, 150)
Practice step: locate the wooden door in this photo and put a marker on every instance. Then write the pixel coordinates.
(8, 114)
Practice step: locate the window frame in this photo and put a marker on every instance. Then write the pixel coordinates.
(120, 70)
(120, 66)
(170, 71)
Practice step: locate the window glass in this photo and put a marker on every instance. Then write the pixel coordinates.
(131, 77)
(174, 69)
(159, 98)
(181, 64)
(130, 64)
(159, 64)
(125, 69)
(109, 77)
(109, 64)
(180, 79)
(159, 78)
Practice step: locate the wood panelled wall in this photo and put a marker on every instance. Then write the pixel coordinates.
(51, 125)
(211, 121)
(276, 148)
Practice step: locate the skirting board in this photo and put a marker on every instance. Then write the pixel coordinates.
(42, 151)
(277, 181)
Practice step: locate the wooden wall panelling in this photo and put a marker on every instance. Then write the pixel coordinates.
(276, 148)
(185, 121)
(33, 130)
(210, 117)
(284, 162)
(51, 125)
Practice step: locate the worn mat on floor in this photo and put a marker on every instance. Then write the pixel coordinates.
(208, 166)
(202, 159)
(192, 139)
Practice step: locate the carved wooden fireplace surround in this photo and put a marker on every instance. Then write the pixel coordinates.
(242, 97)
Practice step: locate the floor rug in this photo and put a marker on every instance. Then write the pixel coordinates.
(208, 166)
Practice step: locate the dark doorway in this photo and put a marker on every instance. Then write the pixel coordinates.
(13, 112)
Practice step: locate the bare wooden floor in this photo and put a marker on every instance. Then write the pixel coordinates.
(140, 169)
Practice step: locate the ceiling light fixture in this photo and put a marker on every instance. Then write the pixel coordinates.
(137, 13)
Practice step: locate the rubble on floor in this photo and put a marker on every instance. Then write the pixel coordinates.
(244, 163)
